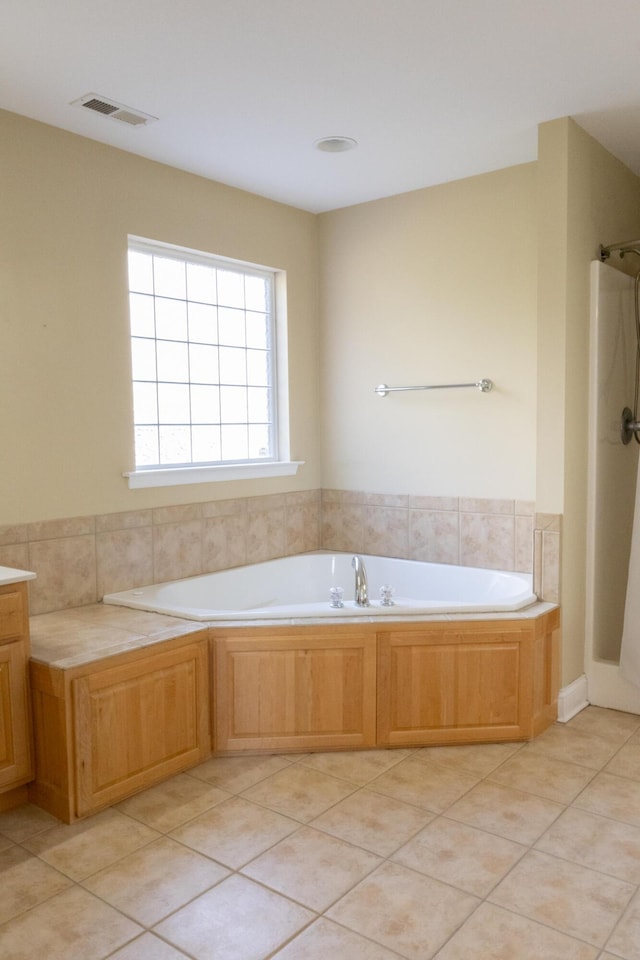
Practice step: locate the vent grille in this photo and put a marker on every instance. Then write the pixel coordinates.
(100, 106)
(113, 110)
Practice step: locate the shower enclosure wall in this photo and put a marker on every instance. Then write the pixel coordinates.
(613, 469)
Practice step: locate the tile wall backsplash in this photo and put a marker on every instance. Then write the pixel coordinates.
(472, 532)
(79, 560)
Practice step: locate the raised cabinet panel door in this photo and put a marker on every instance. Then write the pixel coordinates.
(487, 684)
(423, 684)
(438, 688)
(13, 617)
(15, 747)
(316, 692)
(138, 723)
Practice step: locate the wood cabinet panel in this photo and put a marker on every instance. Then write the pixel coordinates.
(107, 729)
(487, 687)
(15, 730)
(13, 613)
(53, 787)
(16, 763)
(445, 685)
(298, 693)
(546, 671)
(138, 723)
(422, 676)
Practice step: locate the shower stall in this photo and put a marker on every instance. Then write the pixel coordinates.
(613, 469)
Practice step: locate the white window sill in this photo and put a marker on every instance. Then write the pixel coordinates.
(175, 476)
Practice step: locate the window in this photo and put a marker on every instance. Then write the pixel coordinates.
(203, 360)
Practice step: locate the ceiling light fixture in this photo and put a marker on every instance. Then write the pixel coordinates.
(335, 144)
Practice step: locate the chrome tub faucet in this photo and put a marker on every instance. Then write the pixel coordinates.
(362, 590)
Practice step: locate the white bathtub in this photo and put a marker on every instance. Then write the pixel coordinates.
(298, 588)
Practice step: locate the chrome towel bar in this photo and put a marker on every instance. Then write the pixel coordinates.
(484, 385)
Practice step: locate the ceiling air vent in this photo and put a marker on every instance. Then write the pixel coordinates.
(113, 110)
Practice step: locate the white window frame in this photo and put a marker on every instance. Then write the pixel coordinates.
(155, 475)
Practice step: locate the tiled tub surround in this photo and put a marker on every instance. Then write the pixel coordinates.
(472, 532)
(78, 560)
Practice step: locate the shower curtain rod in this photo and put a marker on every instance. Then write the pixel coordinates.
(627, 246)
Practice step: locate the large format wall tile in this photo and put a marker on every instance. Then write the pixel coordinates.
(487, 540)
(66, 573)
(124, 559)
(435, 536)
(177, 550)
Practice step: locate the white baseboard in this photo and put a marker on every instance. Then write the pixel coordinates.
(572, 699)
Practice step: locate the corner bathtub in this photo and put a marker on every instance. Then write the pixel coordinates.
(298, 587)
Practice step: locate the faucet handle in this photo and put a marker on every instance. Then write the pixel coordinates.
(335, 597)
(386, 595)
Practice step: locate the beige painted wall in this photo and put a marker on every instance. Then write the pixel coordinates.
(66, 207)
(485, 277)
(586, 197)
(433, 286)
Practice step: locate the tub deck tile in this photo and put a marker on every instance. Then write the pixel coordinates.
(71, 638)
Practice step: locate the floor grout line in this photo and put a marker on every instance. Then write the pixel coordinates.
(366, 787)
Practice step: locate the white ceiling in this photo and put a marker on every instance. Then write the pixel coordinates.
(432, 90)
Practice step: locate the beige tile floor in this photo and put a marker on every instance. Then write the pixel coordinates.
(496, 852)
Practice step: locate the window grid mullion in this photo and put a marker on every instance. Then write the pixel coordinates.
(235, 416)
(155, 350)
